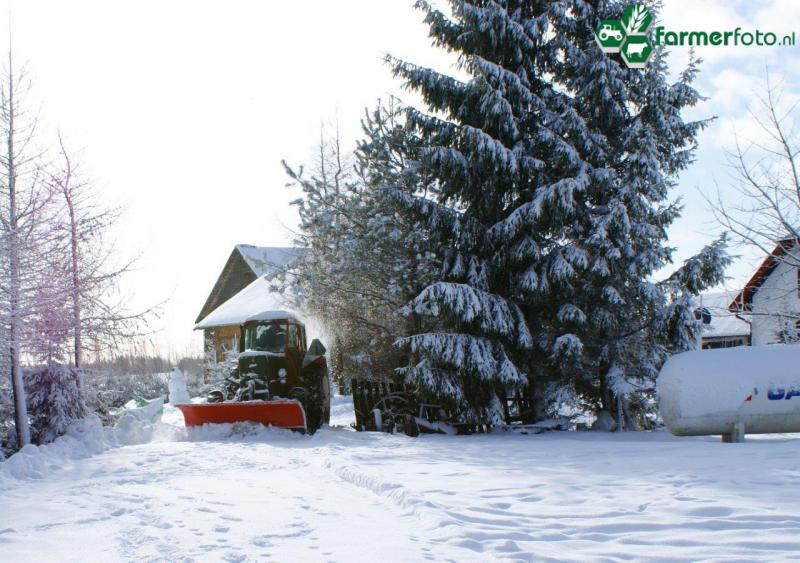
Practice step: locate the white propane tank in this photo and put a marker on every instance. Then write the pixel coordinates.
(754, 389)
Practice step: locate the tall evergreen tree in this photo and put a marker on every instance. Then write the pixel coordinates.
(553, 163)
(365, 261)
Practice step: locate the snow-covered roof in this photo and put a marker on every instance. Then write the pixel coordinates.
(274, 314)
(267, 260)
(248, 302)
(246, 263)
(723, 321)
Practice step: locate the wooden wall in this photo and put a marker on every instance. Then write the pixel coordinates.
(224, 338)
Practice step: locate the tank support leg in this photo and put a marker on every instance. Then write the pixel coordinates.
(736, 435)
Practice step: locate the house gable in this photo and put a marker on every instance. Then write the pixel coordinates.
(771, 295)
(246, 264)
(236, 275)
(267, 260)
(744, 300)
(776, 305)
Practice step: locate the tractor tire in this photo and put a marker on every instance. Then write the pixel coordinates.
(216, 396)
(410, 426)
(326, 398)
(315, 398)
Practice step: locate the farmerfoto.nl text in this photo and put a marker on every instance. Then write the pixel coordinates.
(735, 37)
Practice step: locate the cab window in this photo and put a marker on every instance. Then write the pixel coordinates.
(292, 340)
(265, 338)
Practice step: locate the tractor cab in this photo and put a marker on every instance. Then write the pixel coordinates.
(271, 351)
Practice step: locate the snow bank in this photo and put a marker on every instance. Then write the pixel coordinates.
(83, 439)
(88, 437)
(240, 431)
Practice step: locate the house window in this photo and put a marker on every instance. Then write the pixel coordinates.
(703, 314)
(729, 342)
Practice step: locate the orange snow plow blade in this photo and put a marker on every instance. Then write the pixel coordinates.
(281, 413)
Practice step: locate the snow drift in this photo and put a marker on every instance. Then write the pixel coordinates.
(88, 437)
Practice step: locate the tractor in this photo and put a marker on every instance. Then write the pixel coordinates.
(277, 380)
(609, 31)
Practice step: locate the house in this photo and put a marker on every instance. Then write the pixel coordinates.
(771, 298)
(242, 289)
(722, 328)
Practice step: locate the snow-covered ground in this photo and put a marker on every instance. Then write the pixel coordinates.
(263, 494)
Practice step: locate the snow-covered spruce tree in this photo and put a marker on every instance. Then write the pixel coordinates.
(315, 281)
(365, 261)
(216, 371)
(554, 163)
(54, 400)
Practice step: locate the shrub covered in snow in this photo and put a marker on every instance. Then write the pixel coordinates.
(214, 373)
(54, 400)
(109, 385)
(7, 435)
(111, 390)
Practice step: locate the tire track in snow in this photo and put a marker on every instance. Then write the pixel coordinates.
(440, 525)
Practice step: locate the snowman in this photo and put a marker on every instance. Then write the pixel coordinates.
(178, 394)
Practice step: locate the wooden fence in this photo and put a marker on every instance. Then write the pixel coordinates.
(369, 395)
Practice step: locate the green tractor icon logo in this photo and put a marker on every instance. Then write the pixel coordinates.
(627, 36)
(608, 30)
(610, 36)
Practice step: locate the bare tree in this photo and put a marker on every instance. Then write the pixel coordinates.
(58, 274)
(84, 259)
(766, 177)
(22, 227)
(765, 211)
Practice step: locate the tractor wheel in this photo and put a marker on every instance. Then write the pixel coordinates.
(314, 396)
(410, 426)
(216, 396)
(326, 398)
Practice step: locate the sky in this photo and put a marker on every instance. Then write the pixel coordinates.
(182, 111)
